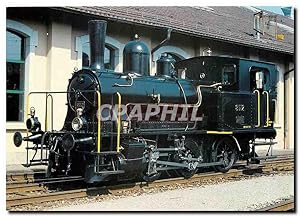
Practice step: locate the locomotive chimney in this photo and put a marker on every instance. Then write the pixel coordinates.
(97, 33)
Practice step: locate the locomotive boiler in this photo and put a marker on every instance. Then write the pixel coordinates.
(195, 113)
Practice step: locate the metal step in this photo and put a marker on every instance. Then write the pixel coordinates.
(36, 147)
(35, 164)
(105, 153)
(39, 160)
(264, 157)
(110, 172)
(263, 143)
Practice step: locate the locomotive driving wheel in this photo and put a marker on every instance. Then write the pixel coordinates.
(191, 151)
(149, 172)
(225, 151)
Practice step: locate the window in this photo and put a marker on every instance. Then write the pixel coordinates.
(15, 65)
(108, 56)
(229, 74)
(175, 57)
(259, 78)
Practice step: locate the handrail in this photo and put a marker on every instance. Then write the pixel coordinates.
(219, 132)
(27, 103)
(46, 114)
(258, 108)
(119, 122)
(51, 98)
(99, 123)
(268, 108)
(85, 91)
(275, 113)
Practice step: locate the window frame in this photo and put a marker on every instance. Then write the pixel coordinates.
(31, 42)
(234, 74)
(19, 91)
(111, 42)
(266, 73)
(112, 53)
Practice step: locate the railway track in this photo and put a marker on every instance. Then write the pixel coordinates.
(21, 183)
(20, 198)
(37, 184)
(283, 206)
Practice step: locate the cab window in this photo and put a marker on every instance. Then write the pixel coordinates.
(259, 78)
(229, 74)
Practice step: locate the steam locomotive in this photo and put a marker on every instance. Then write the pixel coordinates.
(206, 111)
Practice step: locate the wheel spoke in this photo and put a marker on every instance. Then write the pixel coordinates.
(220, 155)
(226, 154)
(225, 147)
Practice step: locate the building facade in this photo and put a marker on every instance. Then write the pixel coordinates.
(45, 46)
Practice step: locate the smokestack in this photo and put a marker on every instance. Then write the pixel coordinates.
(97, 33)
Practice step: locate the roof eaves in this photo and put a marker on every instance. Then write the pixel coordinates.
(186, 29)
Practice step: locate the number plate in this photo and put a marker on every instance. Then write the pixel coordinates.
(80, 104)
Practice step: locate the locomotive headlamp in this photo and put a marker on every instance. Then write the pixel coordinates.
(79, 112)
(32, 111)
(78, 123)
(33, 124)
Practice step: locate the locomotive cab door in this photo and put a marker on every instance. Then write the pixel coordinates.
(260, 86)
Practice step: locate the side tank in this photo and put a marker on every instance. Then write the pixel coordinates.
(136, 57)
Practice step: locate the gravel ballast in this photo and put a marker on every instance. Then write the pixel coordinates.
(243, 195)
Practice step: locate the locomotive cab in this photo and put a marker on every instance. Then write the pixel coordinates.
(245, 96)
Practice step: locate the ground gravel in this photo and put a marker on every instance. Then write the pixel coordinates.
(242, 195)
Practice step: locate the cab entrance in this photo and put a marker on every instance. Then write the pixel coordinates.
(260, 79)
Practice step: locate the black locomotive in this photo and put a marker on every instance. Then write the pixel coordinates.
(205, 111)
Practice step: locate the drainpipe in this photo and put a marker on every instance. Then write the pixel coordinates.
(162, 42)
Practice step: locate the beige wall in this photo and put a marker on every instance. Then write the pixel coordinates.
(35, 79)
(49, 69)
(289, 109)
(60, 68)
(52, 64)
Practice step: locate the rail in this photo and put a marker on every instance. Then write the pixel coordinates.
(283, 206)
(266, 168)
